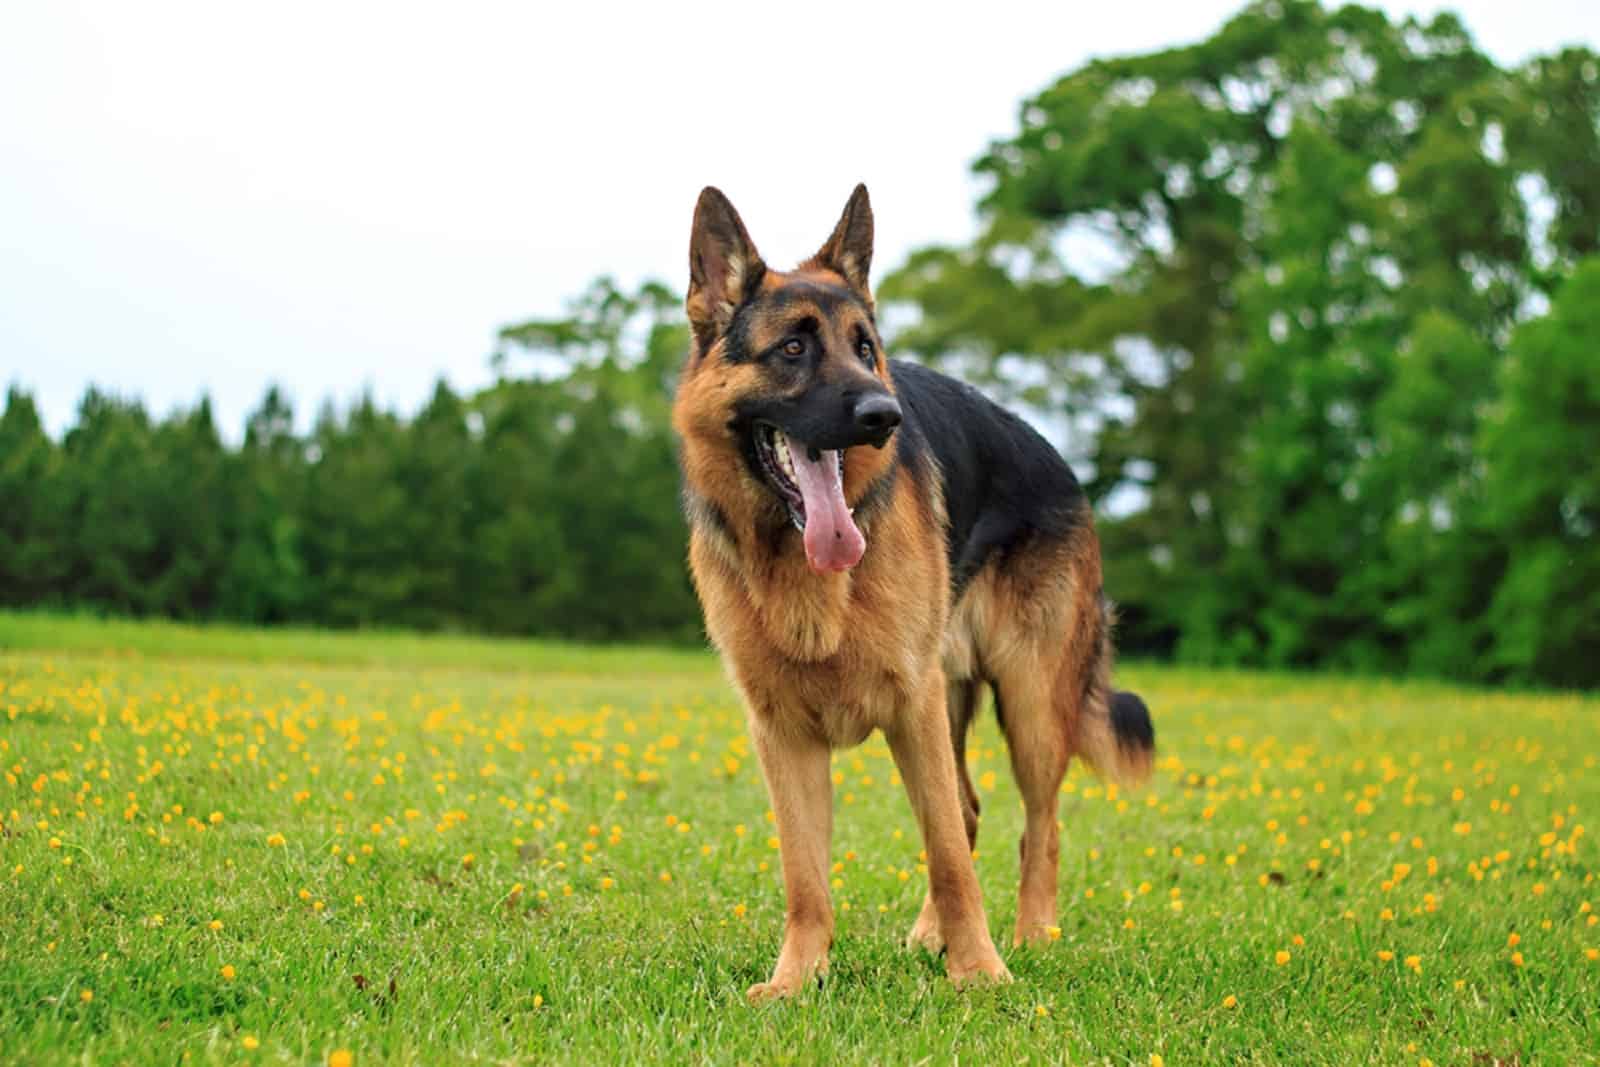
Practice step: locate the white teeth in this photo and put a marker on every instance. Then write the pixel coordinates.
(785, 461)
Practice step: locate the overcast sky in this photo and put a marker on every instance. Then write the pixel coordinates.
(208, 197)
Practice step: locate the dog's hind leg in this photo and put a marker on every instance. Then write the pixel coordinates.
(1036, 734)
(796, 770)
(961, 706)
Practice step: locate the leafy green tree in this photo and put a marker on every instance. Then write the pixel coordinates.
(191, 511)
(265, 578)
(610, 500)
(34, 560)
(1542, 494)
(356, 518)
(1243, 270)
(110, 483)
(1438, 564)
(435, 475)
(516, 566)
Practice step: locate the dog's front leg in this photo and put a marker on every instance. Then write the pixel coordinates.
(796, 770)
(920, 741)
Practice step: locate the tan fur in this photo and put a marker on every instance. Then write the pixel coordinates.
(823, 660)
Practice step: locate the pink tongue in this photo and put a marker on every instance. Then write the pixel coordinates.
(833, 541)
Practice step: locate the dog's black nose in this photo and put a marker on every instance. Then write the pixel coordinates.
(878, 413)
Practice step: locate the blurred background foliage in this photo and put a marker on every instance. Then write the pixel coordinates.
(1313, 307)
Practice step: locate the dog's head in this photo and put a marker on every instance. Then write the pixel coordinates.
(785, 409)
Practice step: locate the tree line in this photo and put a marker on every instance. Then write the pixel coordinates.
(1313, 305)
(544, 504)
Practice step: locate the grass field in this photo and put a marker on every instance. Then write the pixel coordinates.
(226, 846)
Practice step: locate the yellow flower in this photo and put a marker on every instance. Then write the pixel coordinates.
(215, 817)
(1385, 955)
(1230, 1001)
(228, 972)
(1513, 940)
(468, 860)
(214, 925)
(1516, 959)
(1415, 963)
(1054, 932)
(1040, 1010)
(1281, 958)
(275, 841)
(607, 883)
(341, 1057)
(1156, 1060)
(249, 1042)
(86, 996)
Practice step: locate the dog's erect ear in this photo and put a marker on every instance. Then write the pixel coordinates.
(848, 252)
(724, 267)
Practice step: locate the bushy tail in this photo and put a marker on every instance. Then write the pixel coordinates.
(1115, 734)
(1117, 738)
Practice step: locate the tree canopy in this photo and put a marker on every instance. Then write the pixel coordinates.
(1277, 282)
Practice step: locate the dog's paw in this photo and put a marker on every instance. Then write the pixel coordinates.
(762, 992)
(926, 935)
(779, 989)
(925, 932)
(787, 982)
(987, 969)
(1034, 935)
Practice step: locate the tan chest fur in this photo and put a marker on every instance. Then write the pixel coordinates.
(835, 655)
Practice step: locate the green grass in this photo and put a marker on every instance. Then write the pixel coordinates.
(160, 639)
(614, 786)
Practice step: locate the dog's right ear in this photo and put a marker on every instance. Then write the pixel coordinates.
(724, 267)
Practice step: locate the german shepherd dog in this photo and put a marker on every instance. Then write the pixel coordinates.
(873, 543)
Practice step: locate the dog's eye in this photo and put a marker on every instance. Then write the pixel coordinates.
(864, 350)
(794, 347)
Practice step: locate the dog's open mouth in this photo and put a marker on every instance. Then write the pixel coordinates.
(810, 481)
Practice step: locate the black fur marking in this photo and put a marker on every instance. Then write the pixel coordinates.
(877, 495)
(821, 415)
(825, 296)
(1130, 722)
(736, 342)
(702, 512)
(1003, 483)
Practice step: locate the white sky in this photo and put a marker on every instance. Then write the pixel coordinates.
(210, 196)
